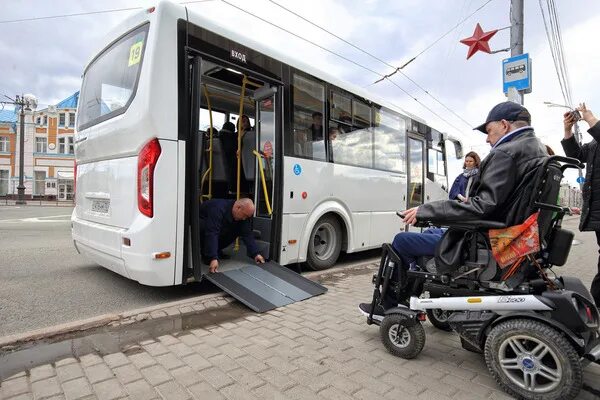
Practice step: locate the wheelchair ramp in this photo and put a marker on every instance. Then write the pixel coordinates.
(266, 286)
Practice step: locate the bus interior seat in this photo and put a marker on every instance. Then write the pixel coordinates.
(221, 171)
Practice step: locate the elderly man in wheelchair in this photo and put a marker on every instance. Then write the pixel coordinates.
(490, 279)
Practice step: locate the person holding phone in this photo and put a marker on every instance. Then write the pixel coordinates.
(589, 154)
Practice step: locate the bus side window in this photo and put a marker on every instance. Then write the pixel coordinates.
(309, 103)
(389, 143)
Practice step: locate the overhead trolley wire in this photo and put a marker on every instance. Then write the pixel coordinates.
(552, 28)
(342, 57)
(10, 21)
(396, 69)
(437, 40)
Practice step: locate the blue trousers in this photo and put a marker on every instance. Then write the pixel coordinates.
(410, 245)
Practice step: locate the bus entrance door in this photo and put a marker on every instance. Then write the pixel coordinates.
(262, 287)
(416, 161)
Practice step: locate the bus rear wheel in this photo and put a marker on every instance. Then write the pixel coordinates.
(325, 243)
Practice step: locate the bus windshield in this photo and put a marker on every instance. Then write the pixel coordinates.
(110, 81)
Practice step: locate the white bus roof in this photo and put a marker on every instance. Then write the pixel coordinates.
(179, 11)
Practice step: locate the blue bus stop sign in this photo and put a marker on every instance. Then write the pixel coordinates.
(580, 179)
(516, 72)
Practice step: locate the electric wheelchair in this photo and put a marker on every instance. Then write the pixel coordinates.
(537, 331)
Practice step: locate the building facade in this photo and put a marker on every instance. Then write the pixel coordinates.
(49, 158)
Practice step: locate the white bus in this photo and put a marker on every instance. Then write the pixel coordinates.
(146, 155)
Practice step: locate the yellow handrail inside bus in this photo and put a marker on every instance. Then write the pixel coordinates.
(210, 150)
(239, 139)
(263, 181)
(241, 131)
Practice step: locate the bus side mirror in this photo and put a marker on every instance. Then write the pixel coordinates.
(458, 149)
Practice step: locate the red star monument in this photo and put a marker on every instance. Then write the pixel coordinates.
(479, 41)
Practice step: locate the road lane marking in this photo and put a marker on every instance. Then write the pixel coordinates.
(53, 218)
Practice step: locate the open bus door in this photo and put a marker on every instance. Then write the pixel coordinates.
(416, 177)
(261, 287)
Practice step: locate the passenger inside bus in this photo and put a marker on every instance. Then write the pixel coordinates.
(333, 133)
(221, 222)
(316, 128)
(246, 125)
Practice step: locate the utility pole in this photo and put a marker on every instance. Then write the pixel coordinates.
(25, 103)
(21, 188)
(516, 41)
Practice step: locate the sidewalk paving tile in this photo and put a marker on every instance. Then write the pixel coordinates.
(142, 360)
(204, 391)
(156, 375)
(169, 361)
(90, 359)
(24, 396)
(41, 372)
(77, 389)
(181, 349)
(173, 391)
(186, 376)
(109, 390)
(116, 360)
(141, 390)
(155, 348)
(46, 388)
(277, 379)
(269, 392)
(197, 362)
(223, 362)
(14, 387)
(238, 392)
(216, 378)
(127, 373)
(98, 373)
(246, 378)
(332, 393)
(69, 372)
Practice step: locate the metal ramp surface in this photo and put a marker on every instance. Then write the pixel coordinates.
(264, 287)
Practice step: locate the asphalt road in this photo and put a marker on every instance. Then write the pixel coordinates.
(44, 281)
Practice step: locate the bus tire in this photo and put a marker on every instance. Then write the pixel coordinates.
(325, 243)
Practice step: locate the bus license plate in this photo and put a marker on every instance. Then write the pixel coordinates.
(100, 206)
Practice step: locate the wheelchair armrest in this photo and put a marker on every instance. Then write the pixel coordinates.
(471, 225)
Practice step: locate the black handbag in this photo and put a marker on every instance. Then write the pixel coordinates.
(452, 250)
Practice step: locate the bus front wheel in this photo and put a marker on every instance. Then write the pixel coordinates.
(325, 243)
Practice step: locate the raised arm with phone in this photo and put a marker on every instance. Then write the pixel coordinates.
(587, 153)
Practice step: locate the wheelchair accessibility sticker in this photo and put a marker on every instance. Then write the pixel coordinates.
(297, 169)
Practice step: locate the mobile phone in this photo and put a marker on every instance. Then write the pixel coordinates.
(576, 114)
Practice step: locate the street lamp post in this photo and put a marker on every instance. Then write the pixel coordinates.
(26, 103)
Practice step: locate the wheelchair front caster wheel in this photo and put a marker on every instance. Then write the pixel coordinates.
(404, 341)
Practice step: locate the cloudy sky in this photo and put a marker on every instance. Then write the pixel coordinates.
(46, 57)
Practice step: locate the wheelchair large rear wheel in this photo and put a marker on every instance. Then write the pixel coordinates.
(531, 360)
(401, 340)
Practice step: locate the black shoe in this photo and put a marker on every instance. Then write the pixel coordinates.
(378, 312)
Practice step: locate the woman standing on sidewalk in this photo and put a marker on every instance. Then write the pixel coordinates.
(464, 181)
(589, 154)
